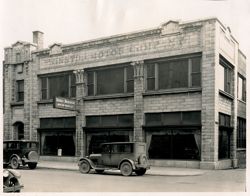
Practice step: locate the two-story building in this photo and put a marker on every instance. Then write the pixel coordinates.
(180, 87)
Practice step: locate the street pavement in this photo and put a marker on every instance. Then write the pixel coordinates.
(164, 171)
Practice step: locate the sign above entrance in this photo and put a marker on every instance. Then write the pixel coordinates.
(65, 104)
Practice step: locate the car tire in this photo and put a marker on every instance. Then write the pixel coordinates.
(14, 163)
(140, 171)
(84, 167)
(99, 171)
(126, 169)
(32, 165)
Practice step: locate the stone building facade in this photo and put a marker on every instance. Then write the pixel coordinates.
(180, 87)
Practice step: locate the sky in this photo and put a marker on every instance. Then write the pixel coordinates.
(70, 21)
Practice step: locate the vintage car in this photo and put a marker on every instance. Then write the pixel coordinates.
(11, 181)
(128, 157)
(20, 152)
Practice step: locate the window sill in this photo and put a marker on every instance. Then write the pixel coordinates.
(225, 94)
(172, 91)
(241, 149)
(20, 103)
(45, 101)
(113, 96)
(244, 102)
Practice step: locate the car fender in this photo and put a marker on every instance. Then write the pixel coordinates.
(128, 160)
(92, 165)
(18, 158)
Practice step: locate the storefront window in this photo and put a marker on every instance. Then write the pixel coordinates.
(175, 144)
(57, 135)
(52, 142)
(241, 133)
(173, 135)
(224, 135)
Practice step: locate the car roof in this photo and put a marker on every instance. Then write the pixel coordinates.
(20, 141)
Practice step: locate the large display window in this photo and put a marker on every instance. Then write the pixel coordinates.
(174, 144)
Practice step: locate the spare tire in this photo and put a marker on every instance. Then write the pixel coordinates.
(33, 156)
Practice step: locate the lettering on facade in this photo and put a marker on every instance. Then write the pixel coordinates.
(136, 48)
(65, 104)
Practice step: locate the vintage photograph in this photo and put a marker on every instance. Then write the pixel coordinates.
(115, 96)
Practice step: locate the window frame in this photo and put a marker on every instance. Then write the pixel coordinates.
(228, 75)
(241, 97)
(19, 92)
(46, 87)
(94, 82)
(189, 73)
(241, 132)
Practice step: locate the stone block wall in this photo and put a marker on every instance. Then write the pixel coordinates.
(171, 39)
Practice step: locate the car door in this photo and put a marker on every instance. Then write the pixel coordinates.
(106, 153)
(12, 148)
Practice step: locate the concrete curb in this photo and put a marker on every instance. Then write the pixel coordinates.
(153, 171)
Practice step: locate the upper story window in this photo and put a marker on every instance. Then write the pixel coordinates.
(225, 76)
(111, 80)
(18, 57)
(20, 90)
(241, 88)
(59, 85)
(184, 72)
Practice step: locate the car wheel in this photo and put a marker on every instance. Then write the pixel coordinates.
(140, 171)
(32, 165)
(14, 183)
(99, 171)
(84, 167)
(14, 163)
(126, 169)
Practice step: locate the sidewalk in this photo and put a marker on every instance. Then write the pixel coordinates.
(163, 171)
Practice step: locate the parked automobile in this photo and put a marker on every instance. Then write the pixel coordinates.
(20, 152)
(128, 157)
(11, 181)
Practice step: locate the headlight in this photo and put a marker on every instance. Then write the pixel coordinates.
(6, 173)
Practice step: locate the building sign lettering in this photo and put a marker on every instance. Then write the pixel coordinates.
(134, 48)
(65, 104)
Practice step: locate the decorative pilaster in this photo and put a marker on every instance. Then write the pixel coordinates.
(138, 100)
(80, 118)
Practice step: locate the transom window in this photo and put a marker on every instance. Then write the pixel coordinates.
(183, 72)
(173, 118)
(61, 85)
(112, 80)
